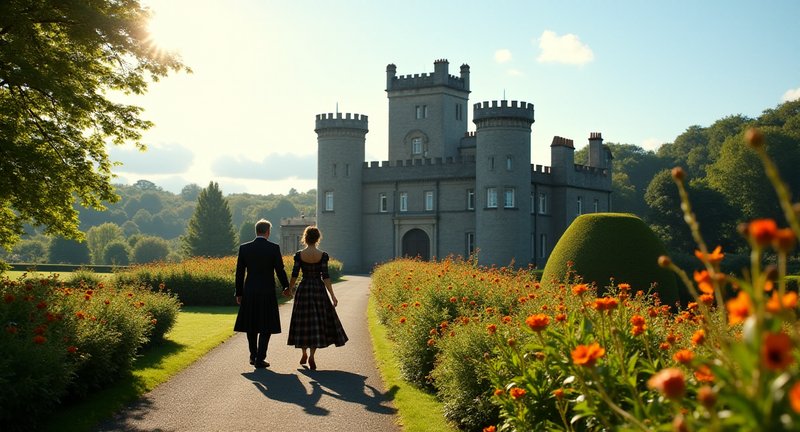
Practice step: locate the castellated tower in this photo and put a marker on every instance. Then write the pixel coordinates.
(340, 156)
(503, 182)
(427, 112)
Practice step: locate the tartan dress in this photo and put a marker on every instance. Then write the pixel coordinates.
(314, 323)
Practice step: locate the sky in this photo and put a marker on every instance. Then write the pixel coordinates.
(639, 72)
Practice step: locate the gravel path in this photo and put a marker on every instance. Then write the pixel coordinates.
(222, 392)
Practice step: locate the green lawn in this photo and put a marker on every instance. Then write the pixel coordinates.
(418, 410)
(197, 331)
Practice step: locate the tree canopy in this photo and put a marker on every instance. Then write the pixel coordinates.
(210, 232)
(58, 61)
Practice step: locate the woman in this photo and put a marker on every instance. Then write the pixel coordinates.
(314, 323)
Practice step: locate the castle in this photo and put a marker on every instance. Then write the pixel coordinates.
(444, 190)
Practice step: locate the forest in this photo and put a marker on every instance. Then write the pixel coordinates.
(726, 185)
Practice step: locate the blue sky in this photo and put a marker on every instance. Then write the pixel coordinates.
(639, 72)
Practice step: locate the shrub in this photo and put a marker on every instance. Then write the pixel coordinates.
(605, 247)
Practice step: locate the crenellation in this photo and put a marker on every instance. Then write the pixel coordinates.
(503, 109)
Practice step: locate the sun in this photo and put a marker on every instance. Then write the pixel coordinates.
(167, 28)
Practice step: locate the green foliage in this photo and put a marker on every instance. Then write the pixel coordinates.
(612, 246)
(67, 251)
(117, 253)
(98, 237)
(62, 341)
(57, 63)
(150, 249)
(30, 251)
(210, 232)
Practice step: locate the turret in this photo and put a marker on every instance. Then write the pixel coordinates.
(503, 181)
(465, 74)
(340, 157)
(562, 160)
(391, 72)
(598, 155)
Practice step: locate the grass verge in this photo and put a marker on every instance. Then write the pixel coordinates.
(197, 330)
(418, 410)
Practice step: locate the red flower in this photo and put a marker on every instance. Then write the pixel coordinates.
(794, 397)
(72, 349)
(699, 337)
(762, 231)
(490, 429)
(579, 289)
(516, 393)
(670, 382)
(491, 328)
(402, 320)
(39, 339)
(8, 298)
(683, 356)
(777, 351)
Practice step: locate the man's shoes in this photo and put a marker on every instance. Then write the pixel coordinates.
(252, 361)
(312, 364)
(261, 364)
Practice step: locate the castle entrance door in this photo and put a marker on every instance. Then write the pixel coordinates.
(416, 243)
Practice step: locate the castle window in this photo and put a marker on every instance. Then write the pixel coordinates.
(428, 200)
(470, 243)
(543, 246)
(491, 197)
(542, 203)
(328, 201)
(509, 198)
(383, 203)
(459, 111)
(579, 208)
(596, 205)
(491, 162)
(347, 170)
(532, 206)
(416, 146)
(403, 201)
(509, 163)
(422, 111)
(470, 199)
(334, 170)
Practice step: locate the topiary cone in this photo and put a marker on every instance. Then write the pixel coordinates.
(602, 246)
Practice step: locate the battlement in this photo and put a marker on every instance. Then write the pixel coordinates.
(439, 77)
(503, 109)
(341, 121)
(562, 142)
(591, 170)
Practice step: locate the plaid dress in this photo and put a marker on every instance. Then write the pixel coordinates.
(314, 323)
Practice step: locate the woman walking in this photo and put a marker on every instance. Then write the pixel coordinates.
(314, 322)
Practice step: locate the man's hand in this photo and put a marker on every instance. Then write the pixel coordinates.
(238, 299)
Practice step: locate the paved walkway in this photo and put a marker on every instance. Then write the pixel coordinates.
(222, 392)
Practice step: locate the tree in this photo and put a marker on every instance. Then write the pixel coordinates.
(68, 251)
(58, 60)
(190, 192)
(98, 237)
(150, 249)
(117, 253)
(30, 251)
(210, 232)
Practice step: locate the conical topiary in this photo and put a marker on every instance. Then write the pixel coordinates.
(621, 246)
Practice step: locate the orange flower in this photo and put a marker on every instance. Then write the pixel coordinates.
(714, 257)
(498, 392)
(605, 304)
(776, 352)
(402, 320)
(637, 330)
(491, 328)
(703, 374)
(516, 393)
(670, 382)
(663, 346)
(80, 314)
(561, 317)
(637, 320)
(784, 240)
(72, 349)
(587, 355)
(39, 339)
(8, 298)
(537, 322)
(683, 356)
(704, 281)
(558, 393)
(788, 301)
(739, 308)
(706, 396)
(707, 299)
(624, 287)
(762, 231)
(699, 337)
(794, 397)
(490, 429)
(579, 289)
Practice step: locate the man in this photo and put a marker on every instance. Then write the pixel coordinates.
(260, 260)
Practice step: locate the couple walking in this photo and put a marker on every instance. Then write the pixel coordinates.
(314, 323)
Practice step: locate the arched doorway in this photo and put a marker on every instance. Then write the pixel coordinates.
(416, 243)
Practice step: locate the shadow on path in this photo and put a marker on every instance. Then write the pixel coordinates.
(345, 386)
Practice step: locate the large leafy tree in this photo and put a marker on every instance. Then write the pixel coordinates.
(210, 232)
(98, 237)
(58, 62)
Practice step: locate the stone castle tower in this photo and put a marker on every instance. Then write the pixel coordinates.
(445, 190)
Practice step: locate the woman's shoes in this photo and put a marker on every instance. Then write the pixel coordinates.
(312, 364)
(303, 359)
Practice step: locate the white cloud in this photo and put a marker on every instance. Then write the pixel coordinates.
(567, 49)
(652, 143)
(157, 159)
(273, 167)
(502, 56)
(791, 95)
(515, 72)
